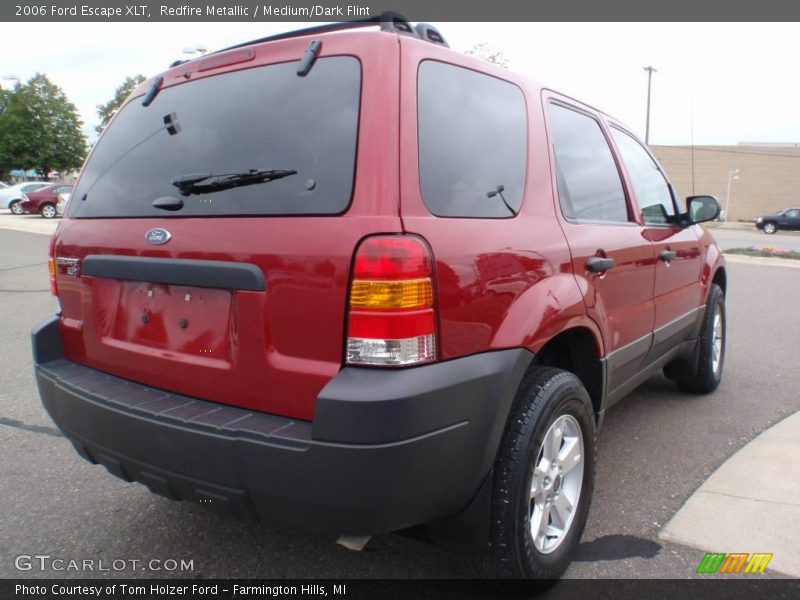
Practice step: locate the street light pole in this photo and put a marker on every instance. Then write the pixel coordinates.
(733, 175)
(650, 70)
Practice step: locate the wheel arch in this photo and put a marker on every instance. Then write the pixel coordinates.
(721, 279)
(579, 350)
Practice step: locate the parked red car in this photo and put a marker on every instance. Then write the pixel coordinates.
(44, 200)
(358, 282)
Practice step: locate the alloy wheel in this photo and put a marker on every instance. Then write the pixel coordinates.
(556, 484)
(717, 346)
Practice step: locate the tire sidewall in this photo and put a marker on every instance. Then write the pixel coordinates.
(774, 228)
(568, 397)
(15, 207)
(44, 207)
(717, 302)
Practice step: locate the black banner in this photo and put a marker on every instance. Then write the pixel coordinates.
(737, 587)
(413, 10)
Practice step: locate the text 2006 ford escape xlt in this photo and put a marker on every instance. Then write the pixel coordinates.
(349, 279)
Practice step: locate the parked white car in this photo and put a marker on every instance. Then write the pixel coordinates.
(10, 197)
(61, 205)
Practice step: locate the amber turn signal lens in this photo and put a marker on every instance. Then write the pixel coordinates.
(387, 294)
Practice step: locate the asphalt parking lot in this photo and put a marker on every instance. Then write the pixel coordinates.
(656, 448)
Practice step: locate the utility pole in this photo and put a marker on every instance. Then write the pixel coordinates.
(650, 70)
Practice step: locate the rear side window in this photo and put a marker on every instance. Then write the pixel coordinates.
(472, 142)
(589, 184)
(263, 118)
(652, 191)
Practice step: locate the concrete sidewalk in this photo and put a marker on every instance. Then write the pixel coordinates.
(735, 225)
(751, 503)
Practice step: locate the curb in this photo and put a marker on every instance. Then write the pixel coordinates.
(764, 261)
(751, 503)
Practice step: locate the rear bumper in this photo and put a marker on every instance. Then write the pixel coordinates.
(387, 449)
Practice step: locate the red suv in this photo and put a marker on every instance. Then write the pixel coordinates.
(350, 279)
(44, 201)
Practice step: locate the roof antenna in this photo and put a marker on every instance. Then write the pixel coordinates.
(309, 58)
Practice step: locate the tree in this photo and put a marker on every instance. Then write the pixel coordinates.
(489, 53)
(107, 110)
(40, 128)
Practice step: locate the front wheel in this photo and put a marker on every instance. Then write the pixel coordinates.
(48, 211)
(709, 354)
(16, 207)
(770, 228)
(544, 478)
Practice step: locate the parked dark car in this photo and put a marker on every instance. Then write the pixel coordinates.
(788, 219)
(43, 201)
(404, 294)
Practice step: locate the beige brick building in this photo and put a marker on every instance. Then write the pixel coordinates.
(769, 175)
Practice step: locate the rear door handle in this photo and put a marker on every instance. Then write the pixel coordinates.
(598, 264)
(667, 255)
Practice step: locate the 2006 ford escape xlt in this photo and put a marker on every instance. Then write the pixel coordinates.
(350, 279)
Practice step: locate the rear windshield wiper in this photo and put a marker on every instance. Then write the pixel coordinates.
(204, 183)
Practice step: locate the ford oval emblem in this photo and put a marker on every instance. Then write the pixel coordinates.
(158, 236)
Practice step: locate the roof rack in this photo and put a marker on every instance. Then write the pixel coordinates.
(388, 21)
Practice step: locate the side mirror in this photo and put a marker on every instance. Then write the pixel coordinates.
(700, 209)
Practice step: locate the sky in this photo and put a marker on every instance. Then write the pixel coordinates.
(715, 83)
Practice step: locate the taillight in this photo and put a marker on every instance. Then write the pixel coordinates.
(51, 265)
(392, 320)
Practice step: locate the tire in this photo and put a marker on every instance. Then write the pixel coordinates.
(16, 207)
(710, 352)
(48, 211)
(548, 400)
(770, 228)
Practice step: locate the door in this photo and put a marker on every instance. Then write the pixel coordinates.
(677, 293)
(612, 259)
(790, 219)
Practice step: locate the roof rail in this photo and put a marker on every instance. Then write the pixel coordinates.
(388, 21)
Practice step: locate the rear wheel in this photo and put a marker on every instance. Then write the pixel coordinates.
(16, 207)
(48, 211)
(770, 228)
(544, 477)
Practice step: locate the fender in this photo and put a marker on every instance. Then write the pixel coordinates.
(544, 310)
(713, 261)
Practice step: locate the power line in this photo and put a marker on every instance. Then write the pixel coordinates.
(697, 148)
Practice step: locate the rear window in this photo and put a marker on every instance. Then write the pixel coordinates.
(472, 142)
(264, 118)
